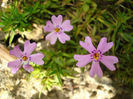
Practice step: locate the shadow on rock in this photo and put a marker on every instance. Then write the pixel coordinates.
(19, 97)
(54, 94)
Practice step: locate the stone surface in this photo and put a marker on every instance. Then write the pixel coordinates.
(85, 87)
(2, 35)
(36, 34)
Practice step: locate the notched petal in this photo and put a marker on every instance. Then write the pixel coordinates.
(37, 58)
(82, 60)
(66, 26)
(49, 27)
(16, 52)
(28, 68)
(29, 47)
(109, 62)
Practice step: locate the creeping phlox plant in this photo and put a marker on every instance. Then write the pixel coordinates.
(96, 55)
(57, 29)
(25, 57)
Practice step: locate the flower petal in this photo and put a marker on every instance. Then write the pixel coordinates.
(57, 20)
(102, 43)
(96, 69)
(104, 46)
(29, 47)
(63, 37)
(49, 27)
(107, 47)
(66, 26)
(88, 44)
(14, 65)
(52, 37)
(82, 60)
(28, 68)
(108, 61)
(16, 52)
(37, 58)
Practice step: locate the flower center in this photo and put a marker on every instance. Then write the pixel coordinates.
(24, 58)
(57, 29)
(96, 56)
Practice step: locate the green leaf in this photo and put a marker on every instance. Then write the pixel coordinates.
(85, 7)
(11, 37)
(59, 78)
(127, 37)
(1, 25)
(6, 36)
(53, 72)
(35, 72)
(58, 61)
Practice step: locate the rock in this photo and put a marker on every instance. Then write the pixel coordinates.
(5, 95)
(2, 35)
(36, 34)
(43, 45)
(4, 3)
(90, 88)
(4, 55)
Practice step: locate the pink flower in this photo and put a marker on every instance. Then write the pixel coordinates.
(25, 57)
(96, 56)
(57, 29)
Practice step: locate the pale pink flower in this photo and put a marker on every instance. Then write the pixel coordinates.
(25, 57)
(96, 56)
(57, 29)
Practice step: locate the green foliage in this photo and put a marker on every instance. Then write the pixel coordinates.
(11, 20)
(110, 18)
(57, 65)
